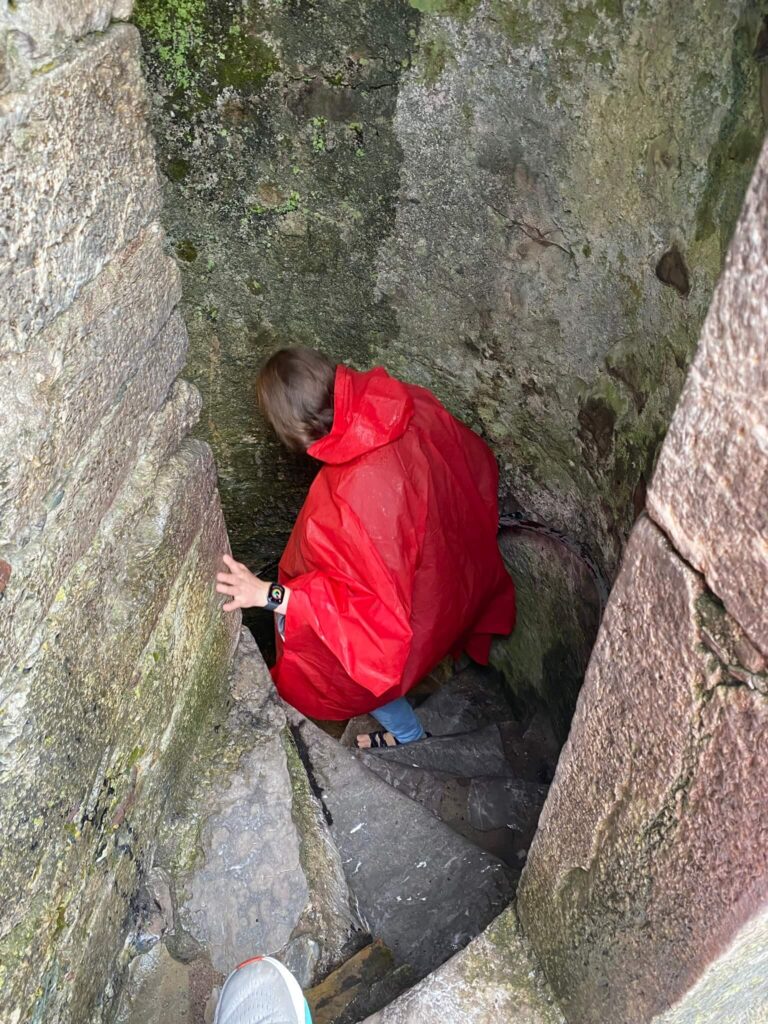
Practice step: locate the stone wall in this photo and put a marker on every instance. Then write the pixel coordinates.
(571, 176)
(279, 165)
(113, 647)
(524, 206)
(648, 877)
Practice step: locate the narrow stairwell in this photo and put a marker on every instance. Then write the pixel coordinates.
(481, 771)
(370, 874)
(418, 885)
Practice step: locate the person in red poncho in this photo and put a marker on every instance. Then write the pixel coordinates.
(393, 561)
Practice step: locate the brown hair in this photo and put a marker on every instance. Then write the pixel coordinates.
(295, 393)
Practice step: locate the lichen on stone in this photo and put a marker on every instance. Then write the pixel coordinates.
(176, 28)
(435, 55)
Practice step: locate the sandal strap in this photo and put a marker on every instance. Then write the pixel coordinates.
(378, 741)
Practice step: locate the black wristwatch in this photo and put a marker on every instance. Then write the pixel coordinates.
(275, 596)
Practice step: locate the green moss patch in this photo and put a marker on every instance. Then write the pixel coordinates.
(462, 9)
(435, 55)
(518, 23)
(176, 30)
(201, 48)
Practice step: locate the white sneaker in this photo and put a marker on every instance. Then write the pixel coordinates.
(262, 991)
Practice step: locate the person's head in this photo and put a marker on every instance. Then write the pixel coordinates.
(295, 393)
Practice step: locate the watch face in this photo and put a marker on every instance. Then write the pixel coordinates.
(276, 593)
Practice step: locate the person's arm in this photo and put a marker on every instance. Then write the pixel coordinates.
(370, 639)
(245, 589)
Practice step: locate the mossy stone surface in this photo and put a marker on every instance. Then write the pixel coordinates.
(109, 743)
(559, 605)
(281, 166)
(551, 154)
(476, 195)
(496, 977)
(549, 164)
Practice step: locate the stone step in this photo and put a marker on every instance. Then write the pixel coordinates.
(473, 700)
(498, 814)
(504, 749)
(467, 755)
(469, 700)
(494, 979)
(245, 861)
(365, 983)
(482, 772)
(420, 887)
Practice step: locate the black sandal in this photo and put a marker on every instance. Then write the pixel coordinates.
(378, 742)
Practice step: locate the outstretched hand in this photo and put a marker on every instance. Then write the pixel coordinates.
(245, 589)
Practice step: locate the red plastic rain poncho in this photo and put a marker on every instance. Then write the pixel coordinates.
(393, 562)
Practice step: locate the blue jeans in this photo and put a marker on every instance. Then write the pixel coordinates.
(399, 718)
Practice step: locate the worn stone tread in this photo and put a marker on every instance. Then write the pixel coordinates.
(270, 879)
(469, 700)
(420, 887)
(467, 755)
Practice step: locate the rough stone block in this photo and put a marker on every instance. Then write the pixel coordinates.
(710, 489)
(250, 892)
(49, 24)
(77, 178)
(650, 849)
(496, 978)
(247, 861)
(72, 514)
(267, 875)
(56, 393)
(128, 663)
(115, 593)
(34, 32)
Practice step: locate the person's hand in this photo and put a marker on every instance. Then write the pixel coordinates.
(245, 589)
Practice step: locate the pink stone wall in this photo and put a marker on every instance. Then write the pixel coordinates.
(652, 851)
(710, 489)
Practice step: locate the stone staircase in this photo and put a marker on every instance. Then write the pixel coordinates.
(382, 879)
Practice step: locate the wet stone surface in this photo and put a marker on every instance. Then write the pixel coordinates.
(280, 174)
(495, 978)
(283, 830)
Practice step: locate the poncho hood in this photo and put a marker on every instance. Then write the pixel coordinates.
(369, 410)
